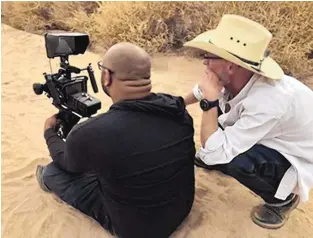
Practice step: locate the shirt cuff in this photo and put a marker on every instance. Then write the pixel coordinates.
(215, 141)
(197, 93)
(287, 184)
(49, 133)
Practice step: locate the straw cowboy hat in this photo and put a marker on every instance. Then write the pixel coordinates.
(241, 41)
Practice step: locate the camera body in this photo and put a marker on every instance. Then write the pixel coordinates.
(68, 93)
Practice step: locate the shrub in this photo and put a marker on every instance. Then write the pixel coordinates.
(162, 27)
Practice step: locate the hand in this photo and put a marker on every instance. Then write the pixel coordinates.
(210, 86)
(51, 122)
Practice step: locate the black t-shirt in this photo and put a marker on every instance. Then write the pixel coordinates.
(143, 152)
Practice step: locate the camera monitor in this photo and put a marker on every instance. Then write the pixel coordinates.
(63, 44)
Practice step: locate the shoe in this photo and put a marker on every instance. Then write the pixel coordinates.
(39, 178)
(199, 163)
(274, 216)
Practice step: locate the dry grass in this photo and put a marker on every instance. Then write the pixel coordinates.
(165, 26)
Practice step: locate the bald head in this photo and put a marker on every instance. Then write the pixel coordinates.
(128, 61)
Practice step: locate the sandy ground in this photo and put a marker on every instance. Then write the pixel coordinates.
(222, 206)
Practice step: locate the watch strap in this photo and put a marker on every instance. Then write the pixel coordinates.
(214, 103)
(207, 105)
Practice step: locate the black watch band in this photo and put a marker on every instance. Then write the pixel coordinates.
(207, 105)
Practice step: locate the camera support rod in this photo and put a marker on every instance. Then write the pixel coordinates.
(69, 69)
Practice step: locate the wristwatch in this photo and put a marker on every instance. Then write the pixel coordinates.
(207, 105)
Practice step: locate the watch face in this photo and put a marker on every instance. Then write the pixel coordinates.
(204, 104)
(207, 105)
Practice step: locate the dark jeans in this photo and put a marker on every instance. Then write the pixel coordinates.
(260, 169)
(80, 191)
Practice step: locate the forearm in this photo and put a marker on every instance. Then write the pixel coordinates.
(56, 147)
(209, 124)
(190, 99)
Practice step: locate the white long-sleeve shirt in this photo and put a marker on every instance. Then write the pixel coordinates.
(276, 114)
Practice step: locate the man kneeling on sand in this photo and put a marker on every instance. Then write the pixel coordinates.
(256, 124)
(131, 168)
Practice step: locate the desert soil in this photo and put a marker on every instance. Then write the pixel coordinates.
(221, 208)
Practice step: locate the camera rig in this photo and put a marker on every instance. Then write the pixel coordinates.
(69, 94)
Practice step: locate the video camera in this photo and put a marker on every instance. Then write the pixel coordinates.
(68, 94)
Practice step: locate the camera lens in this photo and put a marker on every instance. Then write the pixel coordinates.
(38, 88)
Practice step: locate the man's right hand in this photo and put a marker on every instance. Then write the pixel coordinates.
(50, 122)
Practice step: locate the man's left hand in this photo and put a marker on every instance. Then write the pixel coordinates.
(51, 122)
(210, 86)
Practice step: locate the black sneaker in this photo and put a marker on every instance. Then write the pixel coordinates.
(199, 163)
(219, 167)
(40, 181)
(274, 216)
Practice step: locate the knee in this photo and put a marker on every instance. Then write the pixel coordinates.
(49, 172)
(241, 164)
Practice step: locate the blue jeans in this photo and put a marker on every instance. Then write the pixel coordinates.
(81, 191)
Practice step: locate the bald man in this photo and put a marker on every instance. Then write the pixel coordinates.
(131, 168)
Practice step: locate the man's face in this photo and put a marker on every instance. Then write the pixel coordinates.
(219, 66)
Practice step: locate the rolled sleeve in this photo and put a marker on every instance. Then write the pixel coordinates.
(213, 151)
(223, 146)
(215, 141)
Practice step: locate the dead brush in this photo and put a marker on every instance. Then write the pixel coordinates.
(163, 27)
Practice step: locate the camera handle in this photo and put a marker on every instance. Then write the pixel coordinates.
(66, 120)
(92, 78)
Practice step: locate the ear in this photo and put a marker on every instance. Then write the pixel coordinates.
(232, 68)
(106, 78)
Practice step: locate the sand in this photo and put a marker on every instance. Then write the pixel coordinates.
(221, 208)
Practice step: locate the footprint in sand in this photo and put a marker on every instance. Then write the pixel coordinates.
(202, 192)
(223, 197)
(223, 181)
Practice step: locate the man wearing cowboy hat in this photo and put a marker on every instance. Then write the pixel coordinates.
(255, 123)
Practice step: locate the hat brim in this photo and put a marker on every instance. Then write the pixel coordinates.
(269, 67)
